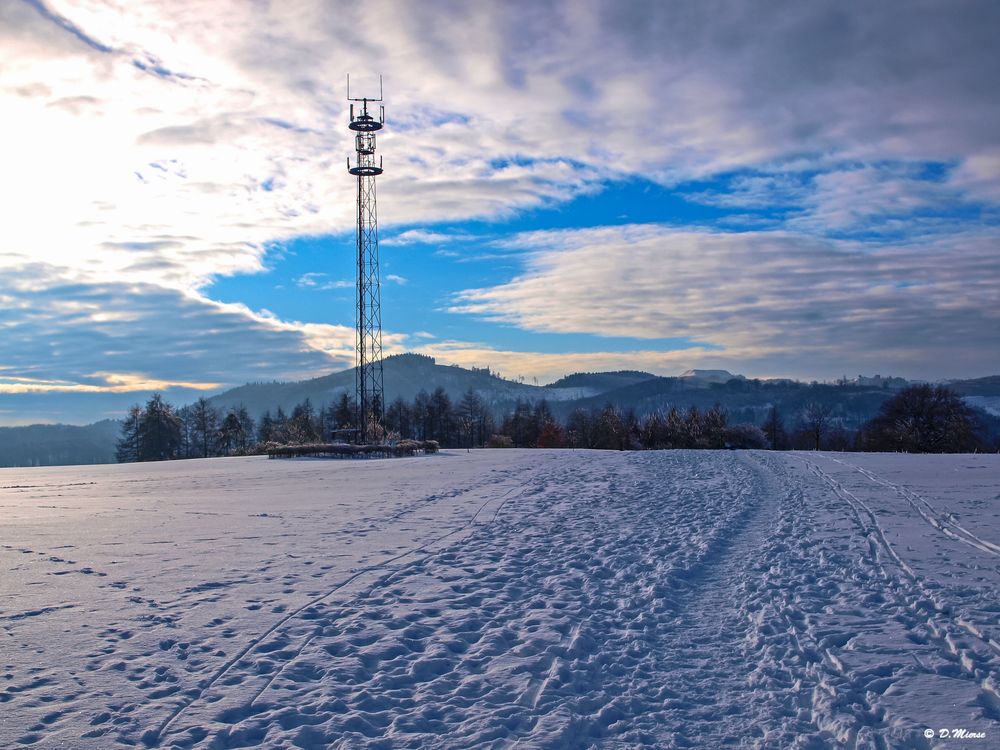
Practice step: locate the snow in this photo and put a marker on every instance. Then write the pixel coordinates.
(501, 598)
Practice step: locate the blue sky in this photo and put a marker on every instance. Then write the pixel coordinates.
(808, 190)
(422, 267)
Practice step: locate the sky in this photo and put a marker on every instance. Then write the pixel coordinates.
(781, 189)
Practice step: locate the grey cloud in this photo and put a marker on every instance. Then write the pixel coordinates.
(145, 245)
(671, 91)
(204, 133)
(767, 298)
(67, 26)
(59, 330)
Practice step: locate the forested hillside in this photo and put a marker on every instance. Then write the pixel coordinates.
(59, 444)
(467, 406)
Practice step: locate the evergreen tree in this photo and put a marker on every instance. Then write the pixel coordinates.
(422, 415)
(441, 417)
(580, 429)
(279, 427)
(520, 425)
(344, 412)
(187, 449)
(204, 427)
(247, 428)
(399, 419)
(230, 433)
(265, 432)
(127, 447)
(159, 431)
(632, 430)
(774, 430)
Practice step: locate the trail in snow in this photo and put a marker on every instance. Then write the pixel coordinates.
(502, 599)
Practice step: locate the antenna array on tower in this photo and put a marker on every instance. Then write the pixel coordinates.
(368, 341)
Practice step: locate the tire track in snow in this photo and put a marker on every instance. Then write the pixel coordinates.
(548, 628)
(981, 667)
(383, 580)
(153, 738)
(928, 512)
(820, 669)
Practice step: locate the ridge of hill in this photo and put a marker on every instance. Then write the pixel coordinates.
(405, 375)
(746, 400)
(600, 382)
(988, 386)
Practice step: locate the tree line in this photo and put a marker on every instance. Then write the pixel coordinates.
(159, 432)
(920, 418)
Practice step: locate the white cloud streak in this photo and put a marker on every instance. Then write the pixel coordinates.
(771, 300)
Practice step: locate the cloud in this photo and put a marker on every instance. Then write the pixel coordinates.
(423, 237)
(244, 107)
(877, 199)
(63, 335)
(147, 152)
(104, 382)
(396, 279)
(769, 299)
(315, 280)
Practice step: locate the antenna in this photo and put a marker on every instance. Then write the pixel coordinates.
(364, 99)
(368, 339)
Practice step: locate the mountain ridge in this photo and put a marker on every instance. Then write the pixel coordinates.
(747, 400)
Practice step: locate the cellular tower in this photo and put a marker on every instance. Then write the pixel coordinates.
(368, 346)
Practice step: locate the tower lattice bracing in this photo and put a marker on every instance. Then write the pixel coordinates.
(368, 342)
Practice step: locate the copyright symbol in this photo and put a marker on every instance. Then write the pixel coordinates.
(928, 733)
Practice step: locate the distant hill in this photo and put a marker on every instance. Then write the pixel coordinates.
(593, 383)
(852, 402)
(706, 377)
(59, 444)
(405, 375)
(988, 386)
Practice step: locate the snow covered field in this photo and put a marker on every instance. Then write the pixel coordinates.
(501, 598)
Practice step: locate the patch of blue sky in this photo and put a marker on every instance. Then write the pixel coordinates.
(436, 269)
(935, 171)
(634, 201)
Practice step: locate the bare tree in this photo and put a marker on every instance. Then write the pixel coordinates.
(816, 421)
(924, 419)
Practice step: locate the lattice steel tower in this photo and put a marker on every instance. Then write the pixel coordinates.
(368, 343)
